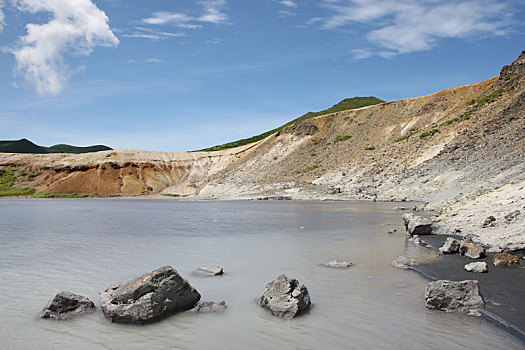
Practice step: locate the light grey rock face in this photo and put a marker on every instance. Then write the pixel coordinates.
(285, 298)
(514, 247)
(451, 246)
(479, 267)
(511, 216)
(150, 297)
(449, 296)
(403, 263)
(417, 225)
(209, 306)
(210, 271)
(471, 250)
(338, 264)
(65, 305)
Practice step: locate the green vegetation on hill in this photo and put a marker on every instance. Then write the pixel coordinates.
(26, 146)
(346, 104)
(7, 178)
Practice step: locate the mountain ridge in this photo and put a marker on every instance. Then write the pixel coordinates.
(26, 146)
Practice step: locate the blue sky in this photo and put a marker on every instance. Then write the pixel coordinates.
(187, 74)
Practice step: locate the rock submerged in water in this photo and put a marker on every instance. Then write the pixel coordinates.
(478, 267)
(65, 305)
(506, 259)
(450, 296)
(451, 246)
(210, 270)
(148, 298)
(285, 298)
(403, 263)
(417, 225)
(338, 264)
(471, 250)
(209, 306)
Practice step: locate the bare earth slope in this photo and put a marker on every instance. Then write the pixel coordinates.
(462, 150)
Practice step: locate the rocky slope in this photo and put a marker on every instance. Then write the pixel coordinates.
(460, 149)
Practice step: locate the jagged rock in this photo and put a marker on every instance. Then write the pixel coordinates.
(449, 296)
(511, 216)
(451, 246)
(471, 250)
(150, 297)
(65, 305)
(417, 225)
(339, 264)
(209, 306)
(210, 270)
(285, 298)
(506, 259)
(478, 267)
(490, 221)
(403, 262)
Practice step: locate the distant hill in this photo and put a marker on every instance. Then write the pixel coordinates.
(346, 104)
(26, 146)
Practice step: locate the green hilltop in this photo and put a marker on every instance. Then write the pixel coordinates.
(26, 146)
(346, 104)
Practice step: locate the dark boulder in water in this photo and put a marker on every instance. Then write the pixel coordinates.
(285, 298)
(65, 305)
(148, 298)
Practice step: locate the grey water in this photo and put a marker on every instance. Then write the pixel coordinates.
(83, 245)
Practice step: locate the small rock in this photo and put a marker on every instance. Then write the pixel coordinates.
(478, 267)
(338, 264)
(471, 250)
(403, 263)
(506, 259)
(148, 298)
(210, 270)
(451, 246)
(392, 231)
(490, 221)
(449, 296)
(285, 298)
(407, 218)
(66, 305)
(511, 216)
(209, 306)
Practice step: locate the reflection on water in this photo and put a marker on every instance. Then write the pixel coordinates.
(82, 246)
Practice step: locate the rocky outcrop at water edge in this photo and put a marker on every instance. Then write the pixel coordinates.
(285, 297)
(65, 305)
(449, 296)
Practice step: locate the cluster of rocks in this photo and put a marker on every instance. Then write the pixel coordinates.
(163, 292)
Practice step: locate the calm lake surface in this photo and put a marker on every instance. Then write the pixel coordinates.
(83, 245)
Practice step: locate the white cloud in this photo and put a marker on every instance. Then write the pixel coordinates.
(2, 16)
(148, 33)
(288, 3)
(212, 12)
(402, 26)
(153, 60)
(76, 28)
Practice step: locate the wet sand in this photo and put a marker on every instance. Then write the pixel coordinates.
(502, 288)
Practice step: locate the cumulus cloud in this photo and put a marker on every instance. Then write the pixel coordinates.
(212, 12)
(75, 28)
(402, 26)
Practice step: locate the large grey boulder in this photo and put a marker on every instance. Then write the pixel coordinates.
(449, 296)
(403, 262)
(65, 305)
(471, 250)
(417, 225)
(150, 297)
(285, 298)
(451, 246)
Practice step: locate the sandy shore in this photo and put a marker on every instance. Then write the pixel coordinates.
(502, 288)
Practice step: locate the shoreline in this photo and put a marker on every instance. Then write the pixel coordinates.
(501, 288)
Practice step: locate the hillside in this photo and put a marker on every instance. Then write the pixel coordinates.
(346, 104)
(462, 150)
(26, 146)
